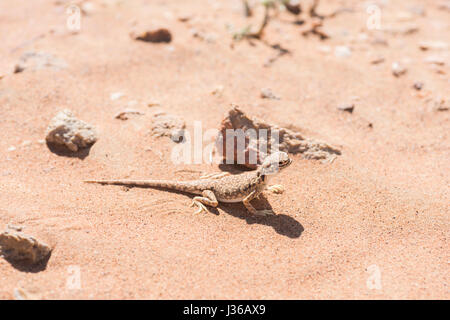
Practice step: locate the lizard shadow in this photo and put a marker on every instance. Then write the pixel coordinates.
(281, 223)
(62, 151)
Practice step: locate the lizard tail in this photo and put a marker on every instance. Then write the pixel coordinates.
(185, 186)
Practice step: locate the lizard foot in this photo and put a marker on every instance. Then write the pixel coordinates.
(264, 213)
(276, 188)
(200, 206)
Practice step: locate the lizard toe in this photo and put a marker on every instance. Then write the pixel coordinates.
(200, 206)
(264, 213)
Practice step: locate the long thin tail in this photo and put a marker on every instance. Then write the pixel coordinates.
(185, 186)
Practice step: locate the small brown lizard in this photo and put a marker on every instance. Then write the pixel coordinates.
(222, 187)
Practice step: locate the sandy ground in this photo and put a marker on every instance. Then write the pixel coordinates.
(372, 224)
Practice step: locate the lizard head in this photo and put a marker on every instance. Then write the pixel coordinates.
(275, 162)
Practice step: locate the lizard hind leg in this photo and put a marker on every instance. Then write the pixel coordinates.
(208, 198)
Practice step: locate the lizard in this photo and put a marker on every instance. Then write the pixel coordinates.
(222, 187)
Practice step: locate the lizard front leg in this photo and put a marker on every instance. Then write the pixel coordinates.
(208, 197)
(251, 209)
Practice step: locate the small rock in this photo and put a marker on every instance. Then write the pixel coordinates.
(441, 104)
(377, 60)
(289, 141)
(168, 125)
(218, 90)
(116, 95)
(12, 148)
(438, 69)
(406, 30)
(64, 129)
(266, 93)
(402, 30)
(293, 7)
(409, 30)
(26, 143)
(418, 85)
(398, 69)
(208, 37)
(185, 18)
(38, 60)
(433, 45)
(156, 36)
(20, 247)
(22, 294)
(14, 227)
(342, 52)
(19, 294)
(123, 115)
(347, 107)
(438, 60)
(87, 8)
